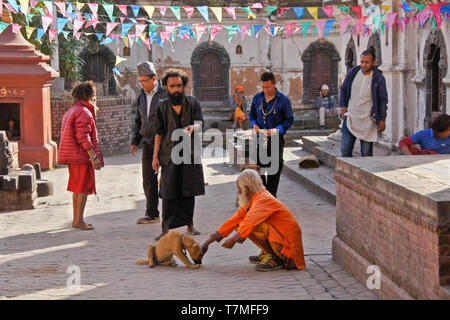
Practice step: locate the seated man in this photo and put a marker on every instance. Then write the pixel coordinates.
(327, 105)
(432, 141)
(267, 222)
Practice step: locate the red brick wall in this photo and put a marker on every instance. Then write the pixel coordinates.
(404, 244)
(114, 123)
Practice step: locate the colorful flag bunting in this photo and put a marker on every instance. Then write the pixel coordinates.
(135, 8)
(215, 29)
(110, 27)
(299, 11)
(204, 12)
(109, 8)
(305, 27)
(231, 11)
(189, 11)
(176, 12)
(313, 11)
(14, 5)
(358, 10)
(150, 10)
(217, 12)
(328, 11)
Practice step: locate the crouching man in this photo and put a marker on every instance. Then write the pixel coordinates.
(267, 222)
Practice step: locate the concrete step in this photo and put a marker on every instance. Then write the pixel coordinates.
(318, 180)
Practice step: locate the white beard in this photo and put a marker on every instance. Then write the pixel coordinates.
(243, 201)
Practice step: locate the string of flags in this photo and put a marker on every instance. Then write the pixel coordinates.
(58, 17)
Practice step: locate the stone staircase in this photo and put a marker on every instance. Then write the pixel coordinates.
(326, 148)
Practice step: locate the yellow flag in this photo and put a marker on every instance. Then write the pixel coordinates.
(386, 9)
(24, 5)
(80, 5)
(125, 40)
(217, 12)
(150, 10)
(313, 11)
(29, 31)
(119, 60)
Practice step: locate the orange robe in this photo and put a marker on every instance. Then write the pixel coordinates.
(283, 227)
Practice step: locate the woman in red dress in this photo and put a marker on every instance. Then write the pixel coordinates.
(79, 148)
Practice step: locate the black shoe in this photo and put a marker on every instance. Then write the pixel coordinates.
(269, 263)
(322, 127)
(256, 259)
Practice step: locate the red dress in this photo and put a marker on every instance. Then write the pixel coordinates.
(81, 178)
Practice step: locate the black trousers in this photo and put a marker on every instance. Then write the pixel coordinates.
(150, 182)
(177, 212)
(272, 181)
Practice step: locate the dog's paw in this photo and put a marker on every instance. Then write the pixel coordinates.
(195, 266)
(152, 265)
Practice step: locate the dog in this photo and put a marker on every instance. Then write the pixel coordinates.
(174, 243)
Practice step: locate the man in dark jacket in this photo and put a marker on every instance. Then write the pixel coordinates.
(144, 129)
(363, 99)
(179, 120)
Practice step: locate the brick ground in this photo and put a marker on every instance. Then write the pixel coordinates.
(37, 246)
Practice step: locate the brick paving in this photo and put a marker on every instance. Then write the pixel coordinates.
(38, 246)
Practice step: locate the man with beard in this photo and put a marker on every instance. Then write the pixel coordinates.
(178, 120)
(267, 222)
(144, 129)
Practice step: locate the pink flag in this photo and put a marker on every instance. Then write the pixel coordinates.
(131, 39)
(62, 8)
(77, 24)
(46, 21)
(52, 34)
(147, 43)
(244, 30)
(122, 19)
(140, 29)
(320, 24)
(189, 11)
(16, 28)
(328, 11)
(164, 35)
(391, 18)
(77, 35)
(400, 23)
(92, 22)
(359, 24)
(358, 10)
(93, 7)
(162, 10)
(110, 27)
(1, 7)
(344, 24)
(32, 2)
(215, 30)
(122, 8)
(257, 5)
(231, 11)
(289, 28)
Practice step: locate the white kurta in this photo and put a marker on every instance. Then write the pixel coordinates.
(359, 108)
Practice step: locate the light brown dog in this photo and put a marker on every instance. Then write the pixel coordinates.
(173, 243)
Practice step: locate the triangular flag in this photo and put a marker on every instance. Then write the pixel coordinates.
(358, 10)
(391, 18)
(400, 23)
(141, 27)
(49, 6)
(125, 28)
(305, 27)
(29, 31)
(109, 8)
(46, 21)
(344, 24)
(281, 10)
(77, 24)
(289, 28)
(3, 26)
(376, 21)
(258, 27)
(328, 11)
(248, 10)
(123, 9)
(62, 7)
(329, 26)
(110, 27)
(162, 10)
(313, 11)
(80, 5)
(24, 6)
(271, 9)
(204, 12)
(215, 30)
(231, 32)
(119, 60)
(61, 22)
(40, 34)
(117, 72)
(299, 11)
(150, 10)
(189, 11)
(99, 36)
(231, 11)
(52, 35)
(320, 27)
(386, 9)
(217, 12)
(345, 9)
(176, 12)
(244, 31)
(131, 38)
(406, 6)
(419, 7)
(135, 8)
(14, 5)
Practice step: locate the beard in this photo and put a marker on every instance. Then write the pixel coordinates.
(243, 200)
(176, 99)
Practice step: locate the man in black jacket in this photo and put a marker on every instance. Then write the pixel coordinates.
(144, 129)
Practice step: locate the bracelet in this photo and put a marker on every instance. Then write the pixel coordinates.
(93, 158)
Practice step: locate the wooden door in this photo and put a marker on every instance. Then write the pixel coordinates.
(320, 72)
(211, 86)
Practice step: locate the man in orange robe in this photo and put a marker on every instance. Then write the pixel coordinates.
(267, 222)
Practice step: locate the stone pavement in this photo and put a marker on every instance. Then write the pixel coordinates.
(39, 249)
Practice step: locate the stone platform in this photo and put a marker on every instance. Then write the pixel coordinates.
(394, 212)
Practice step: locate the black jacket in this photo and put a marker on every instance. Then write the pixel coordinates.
(144, 127)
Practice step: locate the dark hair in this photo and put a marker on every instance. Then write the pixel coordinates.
(174, 73)
(440, 124)
(267, 76)
(369, 52)
(84, 91)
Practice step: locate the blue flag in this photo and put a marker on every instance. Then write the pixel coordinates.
(135, 9)
(99, 36)
(204, 12)
(61, 24)
(40, 33)
(125, 28)
(328, 27)
(298, 11)
(406, 7)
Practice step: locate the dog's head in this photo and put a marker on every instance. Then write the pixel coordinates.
(193, 247)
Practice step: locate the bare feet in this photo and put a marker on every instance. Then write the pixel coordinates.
(191, 230)
(83, 226)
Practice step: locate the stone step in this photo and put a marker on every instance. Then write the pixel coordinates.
(318, 180)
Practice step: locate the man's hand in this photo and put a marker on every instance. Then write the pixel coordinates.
(155, 165)
(272, 132)
(229, 243)
(96, 164)
(343, 112)
(381, 126)
(189, 129)
(133, 149)
(256, 128)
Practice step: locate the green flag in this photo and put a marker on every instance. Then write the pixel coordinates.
(271, 9)
(109, 8)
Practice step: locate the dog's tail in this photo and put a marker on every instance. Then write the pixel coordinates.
(142, 262)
